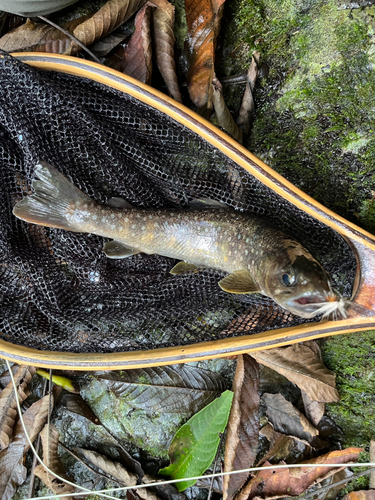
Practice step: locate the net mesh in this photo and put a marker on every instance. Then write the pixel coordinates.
(58, 291)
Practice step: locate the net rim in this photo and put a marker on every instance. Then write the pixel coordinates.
(356, 237)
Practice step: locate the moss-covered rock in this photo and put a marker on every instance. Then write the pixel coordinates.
(316, 113)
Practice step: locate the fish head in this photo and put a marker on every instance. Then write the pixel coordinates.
(303, 287)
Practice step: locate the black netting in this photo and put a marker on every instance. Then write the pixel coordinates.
(58, 291)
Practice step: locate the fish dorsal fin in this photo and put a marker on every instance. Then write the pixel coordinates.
(117, 202)
(116, 250)
(202, 203)
(182, 268)
(239, 282)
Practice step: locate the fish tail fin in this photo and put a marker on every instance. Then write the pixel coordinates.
(54, 196)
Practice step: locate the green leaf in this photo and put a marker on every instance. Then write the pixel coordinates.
(194, 446)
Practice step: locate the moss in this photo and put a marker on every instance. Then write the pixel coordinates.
(352, 358)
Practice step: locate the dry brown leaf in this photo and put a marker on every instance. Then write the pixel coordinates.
(8, 402)
(277, 483)
(50, 439)
(287, 419)
(34, 418)
(104, 46)
(106, 20)
(13, 473)
(372, 459)
(284, 447)
(314, 410)
(360, 495)
(246, 111)
(164, 40)
(117, 471)
(243, 425)
(203, 22)
(137, 61)
(223, 115)
(302, 366)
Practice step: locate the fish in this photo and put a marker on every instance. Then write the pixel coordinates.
(256, 257)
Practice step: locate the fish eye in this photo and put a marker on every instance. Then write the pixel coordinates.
(288, 279)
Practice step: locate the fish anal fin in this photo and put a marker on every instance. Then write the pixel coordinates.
(239, 282)
(182, 268)
(116, 250)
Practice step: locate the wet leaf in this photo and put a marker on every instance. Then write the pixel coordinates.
(278, 483)
(164, 40)
(286, 448)
(117, 471)
(8, 403)
(13, 473)
(194, 446)
(287, 419)
(360, 495)
(169, 389)
(205, 482)
(5, 377)
(102, 47)
(203, 22)
(247, 108)
(40, 37)
(223, 115)
(299, 364)
(50, 439)
(137, 60)
(243, 426)
(106, 20)
(75, 404)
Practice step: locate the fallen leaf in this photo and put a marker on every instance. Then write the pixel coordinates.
(372, 459)
(5, 377)
(13, 473)
(286, 448)
(117, 471)
(223, 115)
(137, 60)
(314, 410)
(360, 495)
(287, 419)
(300, 365)
(60, 380)
(8, 402)
(243, 426)
(106, 20)
(277, 483)
(164, 40)
(102, 47)
(40, 37)
(169, 389)
(194, 445)
(75, 404)
(247, 108)
(203, 22)
(50, 439)
(205, 482)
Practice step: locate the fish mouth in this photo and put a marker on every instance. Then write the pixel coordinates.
(309, 306)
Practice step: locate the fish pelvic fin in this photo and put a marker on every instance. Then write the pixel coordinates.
(239, 282)
(117, 250)
(182, 268)
(54, 196)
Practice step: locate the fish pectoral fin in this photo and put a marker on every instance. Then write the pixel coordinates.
(182, 268)
(202, 203)
(117, 202)
(239, 282)
(116, 250)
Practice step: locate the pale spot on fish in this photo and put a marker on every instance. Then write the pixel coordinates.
(138, 216)
(113, 226)
(126, 219)
(230, 253)
(252, 262)
(247, 240)
(85, 205)
(225, 258)
(239, 236)
(134, 226)
(104, 219)
(133, 234)
(143, 228)
(94, 217)
(121, 228)
(246, 252)
(112, 216)
(150, 216)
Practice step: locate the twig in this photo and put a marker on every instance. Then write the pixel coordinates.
(107, 478)
(310, 496)
(72, 37)
(37, 447)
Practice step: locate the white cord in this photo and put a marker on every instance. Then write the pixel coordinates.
(87, 491)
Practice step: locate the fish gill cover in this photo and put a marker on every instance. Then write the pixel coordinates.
(58, 290)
